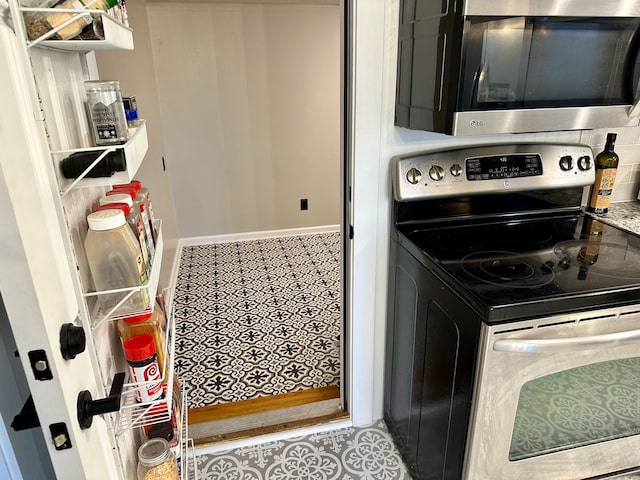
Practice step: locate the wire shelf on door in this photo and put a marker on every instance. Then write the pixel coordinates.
(134, 151)
(117, 36)
(104, 311)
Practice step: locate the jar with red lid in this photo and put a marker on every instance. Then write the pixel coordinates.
(140, 352)
(150, 323)
(140, 205)
(141, 222)
(142, 190)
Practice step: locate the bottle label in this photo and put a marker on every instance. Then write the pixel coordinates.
(108, 125)
(149, 376)
(143, 244)
(144, 279)
(147, 228)
(602, 189)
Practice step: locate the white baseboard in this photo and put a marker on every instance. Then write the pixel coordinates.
(244, 236)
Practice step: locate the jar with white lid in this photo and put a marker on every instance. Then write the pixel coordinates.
(134, 219)
(156, 461)
(115, 261)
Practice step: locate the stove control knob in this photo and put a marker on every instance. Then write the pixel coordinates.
(436, 173)
(456, 170)
(566, 163)
(584, 163)
(413, 176)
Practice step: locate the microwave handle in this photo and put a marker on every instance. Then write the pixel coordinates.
(629, 72)
(635, 108)
(566, 344)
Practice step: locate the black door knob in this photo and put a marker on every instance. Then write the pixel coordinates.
(72, 341)
(87, 407)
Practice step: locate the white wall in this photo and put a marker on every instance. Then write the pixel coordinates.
(250, 104)
(376, 141)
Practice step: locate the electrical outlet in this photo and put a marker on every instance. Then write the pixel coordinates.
(304, 204)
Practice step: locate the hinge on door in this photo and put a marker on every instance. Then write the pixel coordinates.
(27, 418)
(350, 232)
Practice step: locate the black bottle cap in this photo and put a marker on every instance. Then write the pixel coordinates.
(161, 430)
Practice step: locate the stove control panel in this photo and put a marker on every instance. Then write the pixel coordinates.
(491, 169)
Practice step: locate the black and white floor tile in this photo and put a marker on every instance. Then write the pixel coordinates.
(364, 453)
(258, 318)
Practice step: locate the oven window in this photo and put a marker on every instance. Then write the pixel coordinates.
(577, 407)
(522, 62)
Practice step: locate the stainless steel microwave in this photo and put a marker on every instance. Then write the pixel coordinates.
(472, 67)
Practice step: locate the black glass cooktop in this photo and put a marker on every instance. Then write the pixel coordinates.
(521, 261)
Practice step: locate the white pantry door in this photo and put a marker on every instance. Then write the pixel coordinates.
(36, 277)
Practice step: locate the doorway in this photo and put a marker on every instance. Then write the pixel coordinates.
(250, 100)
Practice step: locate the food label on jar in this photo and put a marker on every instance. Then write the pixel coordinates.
(150, 376)
(602, 189)
(108, 125)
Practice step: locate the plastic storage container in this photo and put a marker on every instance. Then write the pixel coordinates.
(144, 224)
(142, 199)
(106, 112)
(115, 261)
(156, 461)
(134, 221)
(151, 323)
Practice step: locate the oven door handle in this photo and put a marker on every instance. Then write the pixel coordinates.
(567, 344)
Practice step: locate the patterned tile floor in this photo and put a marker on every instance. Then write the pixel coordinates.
(365, 453)
(258, 318)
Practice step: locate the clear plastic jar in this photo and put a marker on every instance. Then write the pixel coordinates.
(133, 219)
(140, 205)
(115, 261)
(144, 196)
(143, 227)
(156, 461)
(106, 112)
(152, 323)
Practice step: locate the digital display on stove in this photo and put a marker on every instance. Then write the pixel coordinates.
(504, 166)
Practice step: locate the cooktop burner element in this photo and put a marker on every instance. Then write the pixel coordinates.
(507, 269)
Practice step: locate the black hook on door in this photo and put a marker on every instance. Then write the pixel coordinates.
(87, 407)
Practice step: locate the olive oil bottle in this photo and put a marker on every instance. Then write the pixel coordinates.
(606, 167)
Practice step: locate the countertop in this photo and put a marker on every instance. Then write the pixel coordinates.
(625, 215)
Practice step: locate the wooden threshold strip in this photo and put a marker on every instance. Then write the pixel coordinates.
(262, 404)
(325, 419)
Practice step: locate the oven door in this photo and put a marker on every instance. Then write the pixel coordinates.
(557, 398)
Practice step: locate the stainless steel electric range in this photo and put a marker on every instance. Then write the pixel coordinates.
(513, 332)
